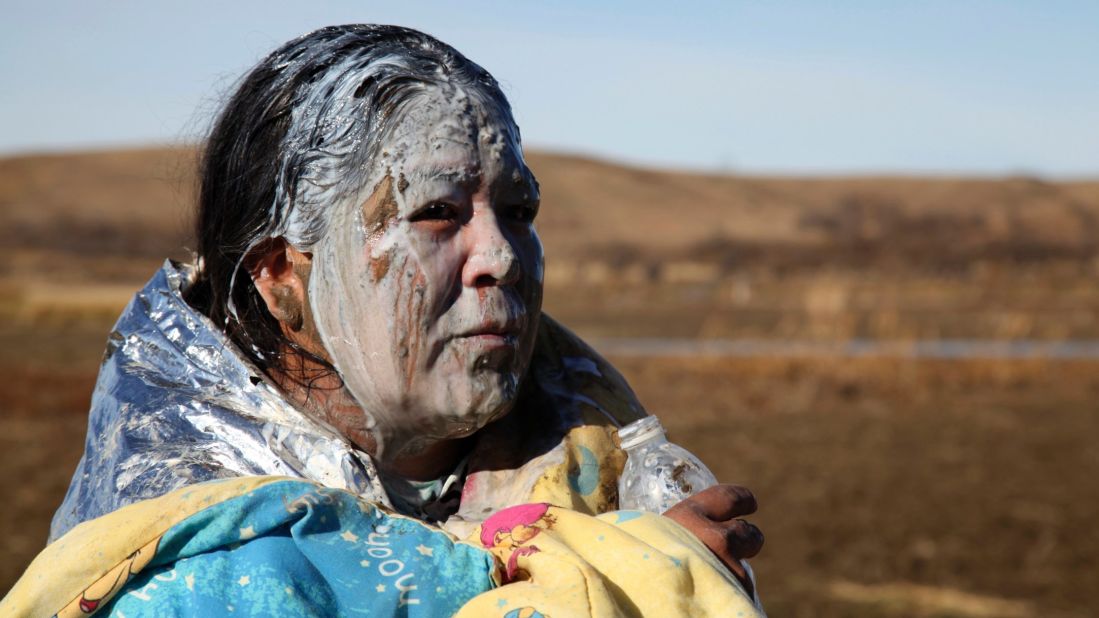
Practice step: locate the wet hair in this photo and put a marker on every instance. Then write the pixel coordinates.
(302, 131)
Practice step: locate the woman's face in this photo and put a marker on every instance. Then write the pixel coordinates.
(427, 288)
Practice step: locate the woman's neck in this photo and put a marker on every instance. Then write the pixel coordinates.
(317, 389)
(438, 459)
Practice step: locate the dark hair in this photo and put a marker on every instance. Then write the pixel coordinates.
(313, 110)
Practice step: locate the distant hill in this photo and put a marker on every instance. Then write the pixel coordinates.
(136, 204)
(686, 254)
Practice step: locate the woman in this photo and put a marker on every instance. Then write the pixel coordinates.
(365, 313)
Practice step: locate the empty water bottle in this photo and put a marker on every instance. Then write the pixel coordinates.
(658, 473)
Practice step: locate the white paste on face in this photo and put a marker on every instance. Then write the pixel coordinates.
(394, 296)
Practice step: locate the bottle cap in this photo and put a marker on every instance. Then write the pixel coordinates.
(640, 431)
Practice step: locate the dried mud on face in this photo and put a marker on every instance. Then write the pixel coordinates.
(888, 487)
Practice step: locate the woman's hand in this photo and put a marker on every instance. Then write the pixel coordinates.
(711, 515)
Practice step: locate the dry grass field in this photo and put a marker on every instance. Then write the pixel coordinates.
(889, 486)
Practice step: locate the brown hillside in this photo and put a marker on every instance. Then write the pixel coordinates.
(137, 203)
(678, 254)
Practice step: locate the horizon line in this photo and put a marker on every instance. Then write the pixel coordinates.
(726, 170)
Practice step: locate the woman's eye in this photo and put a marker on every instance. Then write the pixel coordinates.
(438, 211)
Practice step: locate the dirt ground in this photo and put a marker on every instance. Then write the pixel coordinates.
(899, 488)
(888, 486)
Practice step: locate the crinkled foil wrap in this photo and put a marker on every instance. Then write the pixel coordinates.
(176, 404)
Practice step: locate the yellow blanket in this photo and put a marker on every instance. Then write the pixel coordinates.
(275, 546)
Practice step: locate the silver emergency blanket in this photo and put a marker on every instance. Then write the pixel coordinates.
(176, 404)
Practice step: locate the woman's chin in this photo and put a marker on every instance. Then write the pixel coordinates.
(490, 405)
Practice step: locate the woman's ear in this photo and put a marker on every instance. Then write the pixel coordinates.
(279, 273)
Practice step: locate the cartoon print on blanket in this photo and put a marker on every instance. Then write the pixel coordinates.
(286, 548)
(271, 546)
(509, 530)
(313, 550)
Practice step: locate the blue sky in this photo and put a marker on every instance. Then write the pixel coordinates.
(772, 87)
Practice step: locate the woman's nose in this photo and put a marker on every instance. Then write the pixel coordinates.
(492, 259)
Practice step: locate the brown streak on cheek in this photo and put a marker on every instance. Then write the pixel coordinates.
(379, 266)
(402, 334)
(380, 208)
(414, 310)
(379, 211)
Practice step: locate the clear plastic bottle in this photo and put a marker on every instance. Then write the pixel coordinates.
(658, 473)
